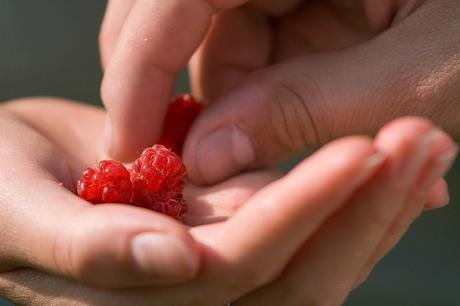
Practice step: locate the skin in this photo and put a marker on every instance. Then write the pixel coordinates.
(280, 76)
(320, 241)
(265, 58)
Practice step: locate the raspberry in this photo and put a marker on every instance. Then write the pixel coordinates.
(108, 183)
(181, 114)
(157, 179)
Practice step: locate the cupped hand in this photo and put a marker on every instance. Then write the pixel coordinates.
(46, 144)
(309, 237)
(280, 75)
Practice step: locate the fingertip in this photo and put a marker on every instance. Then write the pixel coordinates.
(135, 108)
(438, 196)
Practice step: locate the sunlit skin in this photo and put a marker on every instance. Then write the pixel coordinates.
(280, 75)
(317, 231)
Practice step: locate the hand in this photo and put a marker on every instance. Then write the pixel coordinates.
(46, 144)
(280, 76)
(329, 217)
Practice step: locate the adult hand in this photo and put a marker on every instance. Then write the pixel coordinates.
(280, 75)
(329, 217)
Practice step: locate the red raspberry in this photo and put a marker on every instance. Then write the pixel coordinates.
(181, 114)
(108, 183)
(157, 178)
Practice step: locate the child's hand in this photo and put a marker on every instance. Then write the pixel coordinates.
(45, 226)
(281, 75)
(315, 233)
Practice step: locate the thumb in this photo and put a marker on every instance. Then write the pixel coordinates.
(275, 114)
(282, 110)
(110, 246)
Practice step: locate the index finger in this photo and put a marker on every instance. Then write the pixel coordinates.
(156, 42)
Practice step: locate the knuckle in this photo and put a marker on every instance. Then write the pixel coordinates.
(295, 112)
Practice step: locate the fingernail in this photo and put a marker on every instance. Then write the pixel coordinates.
(163, 256)
(107, 135)
(224, 152)
(441, 164)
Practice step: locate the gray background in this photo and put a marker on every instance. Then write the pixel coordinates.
(49, 47)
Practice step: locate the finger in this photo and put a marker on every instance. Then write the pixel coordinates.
(445, 152)
(115, 15)
(139, 80)
(327, 170)
(329, 263)
(238, 42)
(44, 225)
(438, 196)
(282, 110)
(205, 204)
(107, 245)
(256, 243)
(218, 203)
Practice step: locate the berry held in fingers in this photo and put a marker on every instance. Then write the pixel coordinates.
(181, 114)
(156, 179)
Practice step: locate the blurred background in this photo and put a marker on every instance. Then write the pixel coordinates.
(49, 47)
